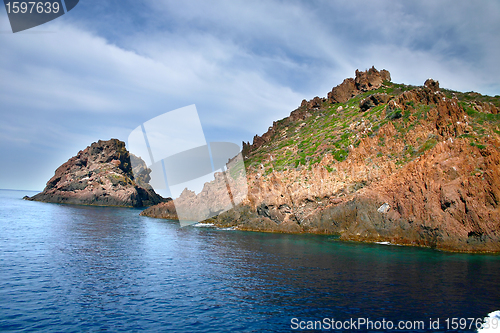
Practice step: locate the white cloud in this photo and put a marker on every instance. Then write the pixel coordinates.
(244, 64)
(57, 93)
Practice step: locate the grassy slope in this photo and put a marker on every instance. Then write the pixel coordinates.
(331, 129)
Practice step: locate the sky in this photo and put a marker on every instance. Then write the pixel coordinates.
(108, 66)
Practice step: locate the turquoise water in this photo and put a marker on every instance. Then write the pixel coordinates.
(74, 268)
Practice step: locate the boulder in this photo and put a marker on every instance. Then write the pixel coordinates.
(373, 100)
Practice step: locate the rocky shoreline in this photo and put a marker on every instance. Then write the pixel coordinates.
(374, 161)
(442, 210)
(377, 162)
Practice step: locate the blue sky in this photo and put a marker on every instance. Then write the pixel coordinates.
(109, 65)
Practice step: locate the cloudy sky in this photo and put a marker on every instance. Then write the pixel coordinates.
(107, 66)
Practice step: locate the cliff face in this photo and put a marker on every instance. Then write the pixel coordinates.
(100, 175)
(379, 162)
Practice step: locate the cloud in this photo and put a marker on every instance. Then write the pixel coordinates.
(312, 45)
(71, 87)
(110, 66)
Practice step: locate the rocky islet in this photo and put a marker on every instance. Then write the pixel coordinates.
(101, 175)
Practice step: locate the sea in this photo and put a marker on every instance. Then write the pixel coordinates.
(66, 268)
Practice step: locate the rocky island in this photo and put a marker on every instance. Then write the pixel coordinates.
(101, 175)
(376, 161)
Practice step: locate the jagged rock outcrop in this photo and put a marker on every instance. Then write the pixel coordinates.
(101, 175)
(486, 107)
(373, 100)
(314, 103)
(431, 84)
(368, 80)
(258, 140)
(407, 165)
(371, 79)
(163, 210)
(216, 196)
(343, 92)
(449, 198)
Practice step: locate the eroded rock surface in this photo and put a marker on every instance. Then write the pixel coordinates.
(379, 162)
(101, 175)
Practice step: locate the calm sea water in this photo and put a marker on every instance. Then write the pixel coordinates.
(71, 268)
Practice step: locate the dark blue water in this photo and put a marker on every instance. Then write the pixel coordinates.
(70, 268)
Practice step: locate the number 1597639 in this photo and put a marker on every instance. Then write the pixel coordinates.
(31, 7)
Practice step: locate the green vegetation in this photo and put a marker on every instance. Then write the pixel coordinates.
(482, 117)
(394, 114)
(429, 144)
(340, 155)
(480, 146)
(381, 141)
(236, 169)
(333, 130)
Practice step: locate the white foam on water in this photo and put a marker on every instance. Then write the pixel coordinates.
(211, 225)
(491, 323)
(387, 243)
(204, 225)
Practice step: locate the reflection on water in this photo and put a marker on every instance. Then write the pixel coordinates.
(68, 268)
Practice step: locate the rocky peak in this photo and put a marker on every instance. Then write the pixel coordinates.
(314, 103)
(432, 85)
(370, 79)
(109, 151)
(367, 80)
(101, 175)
